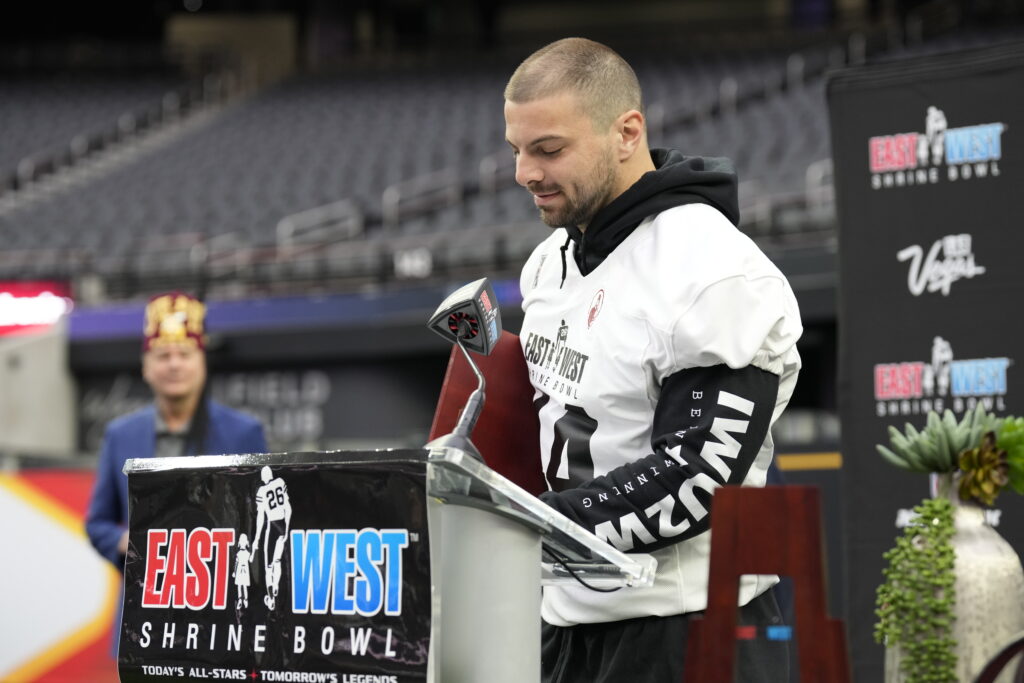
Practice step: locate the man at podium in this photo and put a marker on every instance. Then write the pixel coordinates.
(661, 344)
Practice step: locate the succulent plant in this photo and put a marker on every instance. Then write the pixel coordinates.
(936, 447)
(985, 471)
(1011, 437)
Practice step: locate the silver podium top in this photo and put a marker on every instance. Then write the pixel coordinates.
(571, 552)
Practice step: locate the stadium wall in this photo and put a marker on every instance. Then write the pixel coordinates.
(37, 401)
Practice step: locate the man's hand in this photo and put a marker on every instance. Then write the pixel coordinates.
(122, 543)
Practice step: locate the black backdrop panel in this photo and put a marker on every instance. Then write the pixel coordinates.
(929, 174)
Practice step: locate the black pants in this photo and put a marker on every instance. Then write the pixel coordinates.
(652, 649)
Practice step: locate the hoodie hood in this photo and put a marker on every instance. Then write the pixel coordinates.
(676, 180)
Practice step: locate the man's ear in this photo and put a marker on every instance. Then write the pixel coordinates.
(145, 368)
(630, 127)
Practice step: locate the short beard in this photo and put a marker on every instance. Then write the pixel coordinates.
(589, 200)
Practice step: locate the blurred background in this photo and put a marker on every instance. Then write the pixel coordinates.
(323, 174)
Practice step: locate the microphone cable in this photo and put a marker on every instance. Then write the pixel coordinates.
(559, 559)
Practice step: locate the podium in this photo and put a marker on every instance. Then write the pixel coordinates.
(429, 560)
(492, 545)
(501, 545)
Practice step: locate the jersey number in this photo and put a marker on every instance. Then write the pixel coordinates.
(573, 430)
(276, 497)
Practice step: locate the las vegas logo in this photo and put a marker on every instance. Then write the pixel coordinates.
(948, 260)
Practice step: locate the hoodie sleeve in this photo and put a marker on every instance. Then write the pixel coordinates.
(709, 425)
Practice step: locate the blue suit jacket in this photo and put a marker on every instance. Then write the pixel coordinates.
(134, 436)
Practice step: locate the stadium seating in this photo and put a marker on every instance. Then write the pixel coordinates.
(319, 138)
(41, 114)
(419, 155)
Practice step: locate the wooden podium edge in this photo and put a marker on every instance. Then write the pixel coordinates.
(507, 433)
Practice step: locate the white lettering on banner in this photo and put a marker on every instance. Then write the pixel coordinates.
(939, 275)
(309, 677)
(359, 640)
(153, 670)
(298, 677)
(168, 640)
(327, 640)
(194, 672)
(192, 639)
(235, 637)
(43, 309)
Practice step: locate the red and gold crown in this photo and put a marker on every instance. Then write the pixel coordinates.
(174, 318)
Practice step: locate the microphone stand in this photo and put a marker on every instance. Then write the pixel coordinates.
(459, 437)
(475, 402)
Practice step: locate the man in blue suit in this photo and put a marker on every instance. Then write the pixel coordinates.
(180, 421)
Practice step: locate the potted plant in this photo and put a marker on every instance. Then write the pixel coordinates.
(952, 589)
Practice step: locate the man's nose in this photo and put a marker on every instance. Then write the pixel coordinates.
(527, 171)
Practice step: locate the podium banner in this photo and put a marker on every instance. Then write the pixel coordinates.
(929, 163)
(296, 567)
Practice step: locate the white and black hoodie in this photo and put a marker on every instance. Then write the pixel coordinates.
(662, 349)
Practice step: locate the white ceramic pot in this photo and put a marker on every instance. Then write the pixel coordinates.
(989, 589)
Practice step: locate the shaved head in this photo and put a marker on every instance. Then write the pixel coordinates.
(602, 81)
